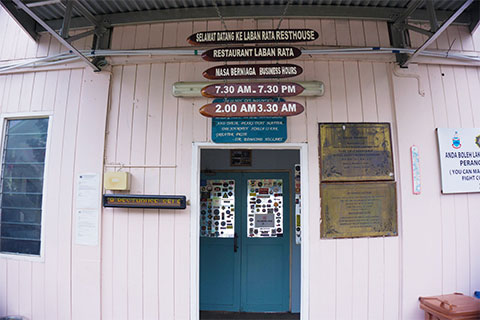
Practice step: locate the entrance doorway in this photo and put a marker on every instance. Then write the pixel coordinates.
(249, 260)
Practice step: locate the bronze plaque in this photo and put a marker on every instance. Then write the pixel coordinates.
(251, 53)
(255, 71)
(355, 152)
(351, 210)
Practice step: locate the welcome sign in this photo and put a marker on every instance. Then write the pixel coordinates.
(252, 36)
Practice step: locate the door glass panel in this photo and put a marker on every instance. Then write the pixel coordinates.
(217, 208)
(265, 208)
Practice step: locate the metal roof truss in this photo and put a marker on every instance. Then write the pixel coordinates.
(398, 28)
(32, 16)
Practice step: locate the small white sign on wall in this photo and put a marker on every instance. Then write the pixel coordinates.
(86, 227)
(459, 159)
(87, 209)
(416, 184)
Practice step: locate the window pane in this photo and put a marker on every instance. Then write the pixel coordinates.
(21, 200)
(26, 141)
(23, 170)
(20, 246)
(24, 155)
(20, 231)
(28, 126)
(21, 215)
(22, 185)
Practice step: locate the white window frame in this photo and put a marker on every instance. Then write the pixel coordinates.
(24, 116)
(195, 220)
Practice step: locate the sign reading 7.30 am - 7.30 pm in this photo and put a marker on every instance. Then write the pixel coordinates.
(268, 89)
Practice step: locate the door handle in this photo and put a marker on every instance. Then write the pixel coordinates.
(235, 242)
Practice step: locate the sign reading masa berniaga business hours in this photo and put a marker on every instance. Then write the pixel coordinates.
(459, 159)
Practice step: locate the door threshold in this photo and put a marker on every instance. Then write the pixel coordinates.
(225, 315)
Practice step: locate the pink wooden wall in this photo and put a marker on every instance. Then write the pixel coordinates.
(66, 283)
(141, 270)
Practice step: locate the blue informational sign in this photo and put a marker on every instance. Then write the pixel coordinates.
(249, 130)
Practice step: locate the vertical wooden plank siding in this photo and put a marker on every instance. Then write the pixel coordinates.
(43, 289)
(141, 269)
(86, 260)
(325, 295)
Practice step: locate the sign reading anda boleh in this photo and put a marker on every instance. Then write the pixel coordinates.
(459, 159)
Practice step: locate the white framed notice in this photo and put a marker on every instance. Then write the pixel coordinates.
(459, 150)
(87, 209)
(86, 221)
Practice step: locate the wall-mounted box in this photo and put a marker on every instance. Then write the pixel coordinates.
(116, 181)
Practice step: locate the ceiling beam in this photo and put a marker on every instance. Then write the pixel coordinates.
(23, 20)
(74, 50)
(42, 3)
(474, 11)
(412, 6)
(263, 11)
(66, 19)
(442, 28)
(432, 15)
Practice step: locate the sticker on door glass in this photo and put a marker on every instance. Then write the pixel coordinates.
(298, 209)
(265, 208)
(217, 208)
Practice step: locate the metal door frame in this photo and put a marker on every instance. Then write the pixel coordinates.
(195, 220)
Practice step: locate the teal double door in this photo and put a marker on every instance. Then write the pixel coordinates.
(245, 242)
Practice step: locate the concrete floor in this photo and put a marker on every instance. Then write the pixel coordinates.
(223, 315)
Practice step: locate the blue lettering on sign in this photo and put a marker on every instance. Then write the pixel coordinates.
(249, 130)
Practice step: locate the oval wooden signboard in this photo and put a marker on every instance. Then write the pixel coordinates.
(251, 109)
(251, 53)
(267, 89)
(253, 71)
(253, 36)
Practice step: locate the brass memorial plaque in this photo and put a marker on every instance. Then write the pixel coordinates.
(355, 152)
(350, 210)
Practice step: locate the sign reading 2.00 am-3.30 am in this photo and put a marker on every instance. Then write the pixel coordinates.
(251, 109)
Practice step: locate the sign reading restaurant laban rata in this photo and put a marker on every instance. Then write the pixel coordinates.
(257, 71)
(252, 36)
(251, 53)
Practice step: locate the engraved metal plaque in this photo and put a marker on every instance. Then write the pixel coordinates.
(351, 210)
(355, 152)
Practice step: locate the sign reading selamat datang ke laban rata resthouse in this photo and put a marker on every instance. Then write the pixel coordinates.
(252, 36)
(459, 159)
